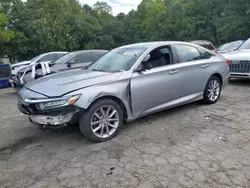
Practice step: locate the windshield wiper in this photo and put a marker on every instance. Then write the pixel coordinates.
(103, 70)
(99, 70)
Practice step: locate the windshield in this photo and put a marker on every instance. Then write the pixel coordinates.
(36, 58)
(65, 58)
(246, 45)
(230, 46)
(119, 59)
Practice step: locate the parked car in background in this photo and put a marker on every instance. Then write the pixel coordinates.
(205, 44)
(127, 83)
(230, 46)
(5, 74)
(51, 56)
(240, 61)
(72, 60)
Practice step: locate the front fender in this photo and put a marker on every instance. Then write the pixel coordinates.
(119, 90)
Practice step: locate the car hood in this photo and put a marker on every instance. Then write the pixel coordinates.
(59, 84)
(237, 55)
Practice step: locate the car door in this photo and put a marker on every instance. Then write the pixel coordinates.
(194, 70)
(154, 89)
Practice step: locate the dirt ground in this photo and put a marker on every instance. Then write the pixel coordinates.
(189, 146)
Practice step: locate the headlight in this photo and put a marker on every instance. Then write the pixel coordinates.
(58, 103)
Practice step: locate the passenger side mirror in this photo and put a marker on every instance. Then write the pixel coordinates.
(70, 62)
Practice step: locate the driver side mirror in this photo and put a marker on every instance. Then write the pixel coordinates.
(145, 65)
(146, 58)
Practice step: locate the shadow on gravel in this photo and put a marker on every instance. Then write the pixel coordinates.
(40, 137)
(7, 151)
(7, 93)
(240, 82)
(164, 114)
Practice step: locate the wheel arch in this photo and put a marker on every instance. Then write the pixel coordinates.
(114, 98)
(218, 76)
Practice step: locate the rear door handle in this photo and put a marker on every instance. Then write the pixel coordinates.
(174, 72)
(204, 66)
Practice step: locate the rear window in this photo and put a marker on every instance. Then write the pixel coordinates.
(210, 47)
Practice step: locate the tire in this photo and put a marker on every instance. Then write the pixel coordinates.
(91, 116)
(207, 99)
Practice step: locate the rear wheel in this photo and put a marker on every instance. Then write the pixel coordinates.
(102, 121)
(213, 90)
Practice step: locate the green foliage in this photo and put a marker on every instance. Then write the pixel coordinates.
(5, 34)
(32, 27)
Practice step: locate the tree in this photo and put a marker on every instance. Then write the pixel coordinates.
(121, 16)
(31, 27)
(102, 7)
(88, 9)
(5, 33)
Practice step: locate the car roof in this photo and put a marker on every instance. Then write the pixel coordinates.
(152, 44)
(59, 52)
(88, 51)
(201, 42)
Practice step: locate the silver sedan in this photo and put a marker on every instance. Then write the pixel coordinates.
(127, 83)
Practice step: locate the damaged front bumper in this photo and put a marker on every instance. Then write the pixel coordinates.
(48, 112)
(49, 120)
(61, 117)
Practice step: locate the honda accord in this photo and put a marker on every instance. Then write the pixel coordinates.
(127, 83)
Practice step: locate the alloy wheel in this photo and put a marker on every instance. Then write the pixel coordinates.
(105, 121)
(213, 90)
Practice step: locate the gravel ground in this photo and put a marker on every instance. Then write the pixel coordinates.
(189, 146)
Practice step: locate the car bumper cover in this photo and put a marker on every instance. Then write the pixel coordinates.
(62, 119)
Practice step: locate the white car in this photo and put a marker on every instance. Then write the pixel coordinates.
(50, 57)
(239, 61)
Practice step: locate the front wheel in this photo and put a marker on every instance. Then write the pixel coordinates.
(213, 90)
(102, 121)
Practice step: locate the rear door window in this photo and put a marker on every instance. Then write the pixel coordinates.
(205, 54)
(210, 46)
(187, 53)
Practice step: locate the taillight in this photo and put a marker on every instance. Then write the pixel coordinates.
(228, 62)
(216, 51)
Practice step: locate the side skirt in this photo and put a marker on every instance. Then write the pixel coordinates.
(171, 104)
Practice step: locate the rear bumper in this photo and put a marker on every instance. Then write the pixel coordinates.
(239, 75)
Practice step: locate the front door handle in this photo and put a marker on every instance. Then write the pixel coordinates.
(204, 66)
(174, 72)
